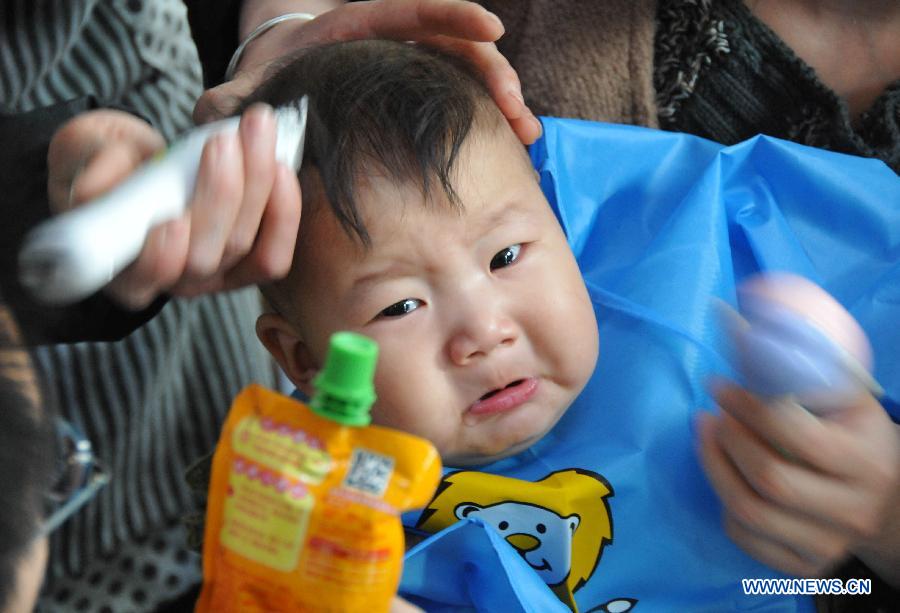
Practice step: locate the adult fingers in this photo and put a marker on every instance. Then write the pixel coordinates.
(159, 265)
(816, 542)
(273, 251)
(772, 475)
(395, 19)
(772, 553)
(215, 204)
(500, 79)
(454, 26)
(223, 100)
(498, 75)
(527, 128)
(257, 135)
(797, 432)
(409, 20)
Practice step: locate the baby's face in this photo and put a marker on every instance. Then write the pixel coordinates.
(485, 329)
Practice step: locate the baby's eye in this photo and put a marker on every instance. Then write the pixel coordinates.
(399, 309)
(505, 257)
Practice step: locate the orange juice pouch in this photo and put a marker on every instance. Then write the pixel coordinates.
(304, 501)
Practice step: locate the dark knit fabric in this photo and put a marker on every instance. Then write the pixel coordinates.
(722, 74)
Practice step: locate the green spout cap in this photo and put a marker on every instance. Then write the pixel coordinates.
(344, 387)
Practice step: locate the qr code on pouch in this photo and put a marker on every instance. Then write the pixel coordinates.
(369, 472)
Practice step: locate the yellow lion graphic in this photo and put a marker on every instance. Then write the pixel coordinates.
(559, 524)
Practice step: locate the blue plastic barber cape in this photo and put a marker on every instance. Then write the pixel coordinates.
(661, 225)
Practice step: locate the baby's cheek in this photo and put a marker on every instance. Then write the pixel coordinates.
(574, 342)
(385, 413)
(586, 352)
(585, 329)
(411, 415)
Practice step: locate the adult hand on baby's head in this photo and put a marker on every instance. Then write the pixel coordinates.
(455, 26)
(802, 492)
(241, 224)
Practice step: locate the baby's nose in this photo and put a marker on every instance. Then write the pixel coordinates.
(479, 339)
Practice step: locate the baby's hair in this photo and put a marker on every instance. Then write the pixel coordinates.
(381, 106)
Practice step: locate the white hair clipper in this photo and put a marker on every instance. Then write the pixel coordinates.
(73, 255)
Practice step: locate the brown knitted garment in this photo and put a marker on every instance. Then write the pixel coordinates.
(602, 56)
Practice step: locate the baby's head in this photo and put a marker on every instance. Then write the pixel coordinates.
(424, 228)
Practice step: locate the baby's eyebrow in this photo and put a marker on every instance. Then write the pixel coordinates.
(394, 270)
(511, 209)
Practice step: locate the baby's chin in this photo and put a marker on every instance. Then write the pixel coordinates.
(468, 458)
(481, 453)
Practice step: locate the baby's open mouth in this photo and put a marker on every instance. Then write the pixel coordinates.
(498, 390)
(505, 398)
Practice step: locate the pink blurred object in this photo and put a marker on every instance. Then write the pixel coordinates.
(793, 339)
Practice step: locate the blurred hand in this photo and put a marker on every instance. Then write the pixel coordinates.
(398, 605)
(803, 492)
(455, 26)
(241, 224)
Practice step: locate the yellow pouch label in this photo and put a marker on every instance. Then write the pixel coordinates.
(266, 515)
(298, 454)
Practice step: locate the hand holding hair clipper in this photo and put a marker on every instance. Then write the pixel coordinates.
(218, 209)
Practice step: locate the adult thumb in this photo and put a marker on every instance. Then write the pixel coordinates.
(95, 151)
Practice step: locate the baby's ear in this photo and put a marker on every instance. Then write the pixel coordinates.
(288, 349)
